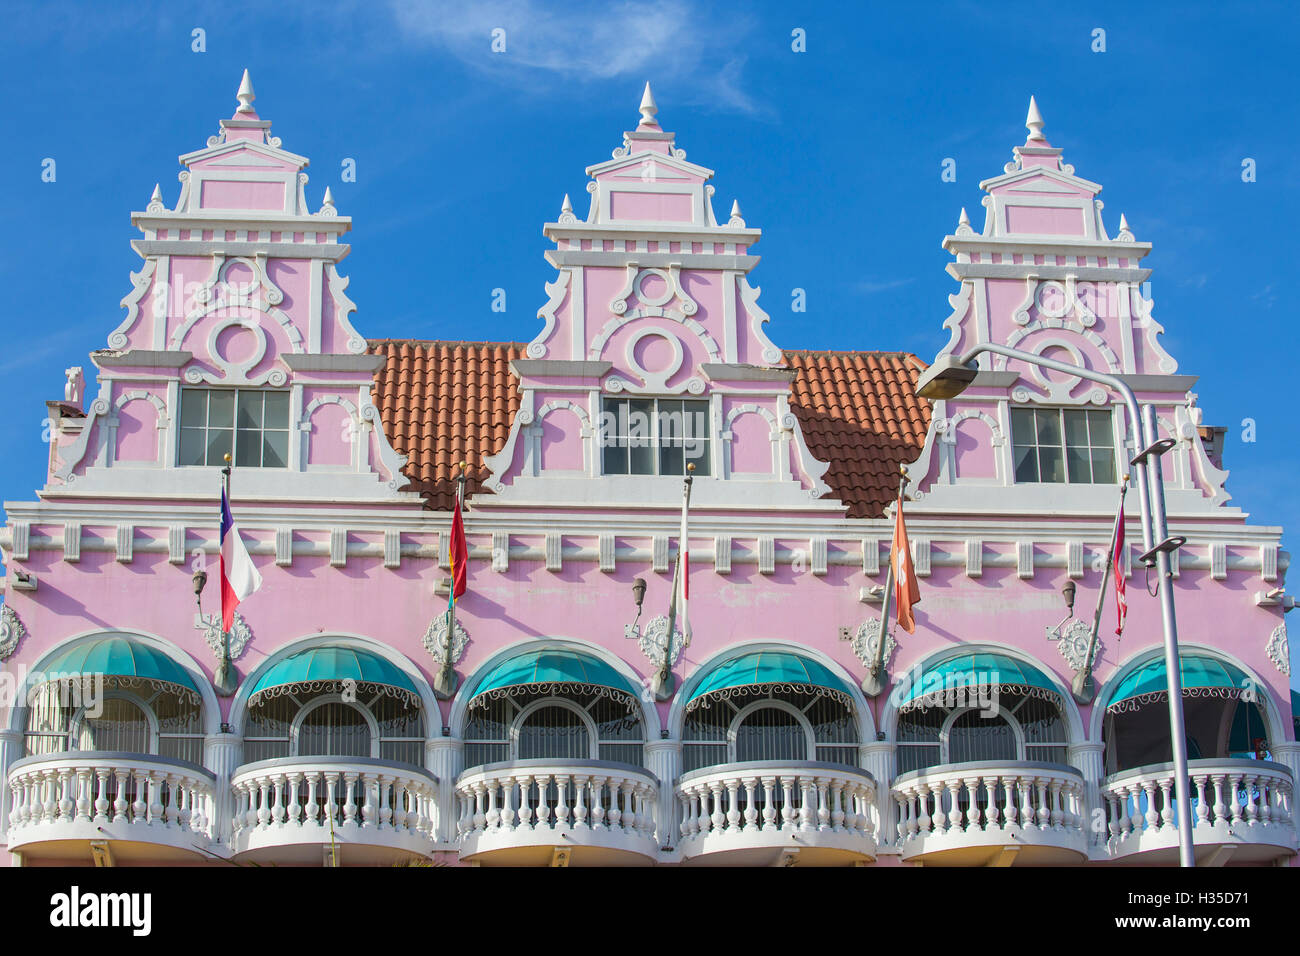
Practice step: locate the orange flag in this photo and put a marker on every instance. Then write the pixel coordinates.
(906, 591)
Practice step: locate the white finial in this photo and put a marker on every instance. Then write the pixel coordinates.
(1034, 122)
(156, 200)
(1125, 233)
(963, 224)
(648, 108)
(245, 94)
(566, 212)
(329, 196)
(566, 206)
(736, 220)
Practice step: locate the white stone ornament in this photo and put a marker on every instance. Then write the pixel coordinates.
(435, 640)
(867, 639)
(12, 631)
(654, 639)
(240, 634)
(1074, 643)
(1278, 649)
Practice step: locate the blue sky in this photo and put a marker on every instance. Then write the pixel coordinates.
(462, 153)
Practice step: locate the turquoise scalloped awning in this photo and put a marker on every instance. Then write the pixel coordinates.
(759, 668)
(978, 670)
(554, 666)
(119, 657)
(327, 664)
(1198, 672)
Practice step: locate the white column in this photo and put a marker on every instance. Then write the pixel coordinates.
(222, 753)
(879, 760)
(11, 749)
(1088, 759)
(444, 757)
(1287, 753)
(663, 758)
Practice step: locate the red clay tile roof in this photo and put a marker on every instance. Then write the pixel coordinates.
(446, 402)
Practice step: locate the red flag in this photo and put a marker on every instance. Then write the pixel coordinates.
(1117, 562)
(906, 590)
(457, 555)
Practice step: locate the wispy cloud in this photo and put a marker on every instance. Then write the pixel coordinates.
(586, 41)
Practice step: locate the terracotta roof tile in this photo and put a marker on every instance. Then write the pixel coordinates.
(444, 402)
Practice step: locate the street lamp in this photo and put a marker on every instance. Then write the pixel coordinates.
(949, 376)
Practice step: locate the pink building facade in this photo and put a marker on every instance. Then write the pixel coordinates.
(335, 743)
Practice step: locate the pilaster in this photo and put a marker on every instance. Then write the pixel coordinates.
(444, 757)
(663, 758)
(222, 753)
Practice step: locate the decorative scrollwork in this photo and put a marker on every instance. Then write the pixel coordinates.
(435, 640)
(240, 634)
(654, 640)
(1074, 644)
(1278, 649)
(866, 641)
(12, 631)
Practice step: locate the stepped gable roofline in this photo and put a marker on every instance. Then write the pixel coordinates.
(443, 402)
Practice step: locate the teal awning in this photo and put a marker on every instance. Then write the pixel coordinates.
(1295, 711)
(760, 672)
(557, 671)
(121, 658)
(1202, 676)
(942, 681)
(325, 668)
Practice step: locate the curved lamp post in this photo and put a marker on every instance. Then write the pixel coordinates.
(949, 376)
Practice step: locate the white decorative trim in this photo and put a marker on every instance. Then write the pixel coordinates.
(871, 557)
(125, 543)
(554, 551)
(338, 547)
(240, 634)
(817, 550)
(766, 555)
(20, 539)
(283, 547)
(12, 631)
(1218, 561)
(867, 638)
(1074, 559)
(659, 553)
(812, 468)
(500, 551)
(72, 541)
(974, 557)
(722, 554)
(1074, 642)
(343, 307)
(555, 292)
(758, 318)
(921, 554)
(654, 639)
(605, 548)
(392, 548)
(1142, 319)
(140, 282)
(1279, 650)
(435, 639)
(1024, 559)
(960, 303)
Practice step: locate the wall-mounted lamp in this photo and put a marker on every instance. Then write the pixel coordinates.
(638, 594)
(1067, 592)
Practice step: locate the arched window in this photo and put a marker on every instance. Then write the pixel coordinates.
(124, 714)
(1023, 726)
(580, 725)
(1221, 713)
(791, 723)
(310, 720)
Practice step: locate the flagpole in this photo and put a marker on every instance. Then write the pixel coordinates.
(663, 683)
(225, 680)
(445, 685)
(874, 683)
(1084, 687)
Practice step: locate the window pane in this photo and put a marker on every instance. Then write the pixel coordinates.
(697, 453)
(1026, 463)
(670, 420)
(277, 410)
(248, 448)
(1099, 428)
(671, 460)
(275, 450)
(1076, 428)
(1049, 427)
(640, 419)
(1079, 463)
(192, 446)
(1051, 464)
(221, 408)
(615, 460)
(250, 410)
(1103, 465)
(218, 445)
(1022, 426)
(642, 461)
(194, 407)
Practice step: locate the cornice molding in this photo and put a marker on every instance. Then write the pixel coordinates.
(141, 358)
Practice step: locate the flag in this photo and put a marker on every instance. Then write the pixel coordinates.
(1117, 562)
(906, 591)
(457, 556)
(239, 578)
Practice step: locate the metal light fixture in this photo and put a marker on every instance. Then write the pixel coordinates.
(638, 594)
(199, 579)
(1067, 592)
(946, 378)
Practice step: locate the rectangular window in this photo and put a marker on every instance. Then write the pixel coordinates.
(654, 436)
(1074, 445)
(252, 425)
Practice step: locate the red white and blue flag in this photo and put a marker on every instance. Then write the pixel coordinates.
(1117, 562)
(239, 578)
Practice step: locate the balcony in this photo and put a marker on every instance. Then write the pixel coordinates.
(777, 813)
(147, 809)
(332, 810)
(1241, 812)
(557, 812)
(991, 813)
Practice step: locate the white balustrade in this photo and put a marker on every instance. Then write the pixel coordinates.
(752, 803)
(987, 802)
(344, 795)
(140, 797)
(593, 801)
(1249, 798)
